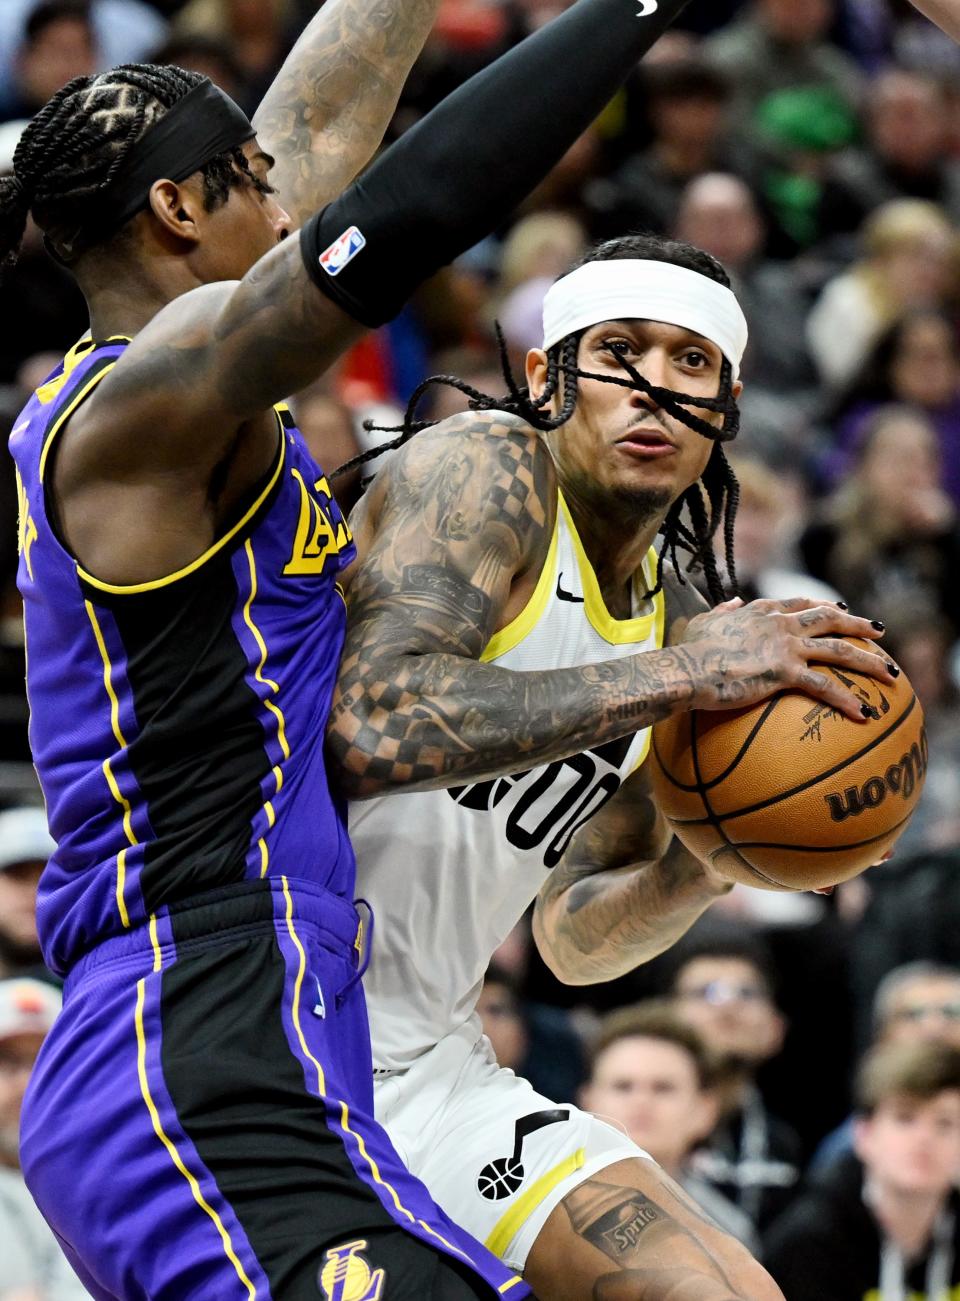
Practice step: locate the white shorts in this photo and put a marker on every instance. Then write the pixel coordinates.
(496, 1155)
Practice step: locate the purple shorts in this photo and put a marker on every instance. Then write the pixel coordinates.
(200, 1126)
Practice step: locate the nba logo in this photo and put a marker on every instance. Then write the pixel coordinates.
(342, 251)
(346, 1276)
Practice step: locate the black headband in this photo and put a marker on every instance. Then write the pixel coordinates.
(204, 123)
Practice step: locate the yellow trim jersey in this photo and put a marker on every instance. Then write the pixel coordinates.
(177, 725)
(449, 873)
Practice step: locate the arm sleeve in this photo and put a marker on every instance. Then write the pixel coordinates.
(455, 175)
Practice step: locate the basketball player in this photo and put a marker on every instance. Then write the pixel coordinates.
(509, 638)
(200, 1121)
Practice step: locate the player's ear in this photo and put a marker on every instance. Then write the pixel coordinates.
(536, 371)
(736, 388)
(177, 208)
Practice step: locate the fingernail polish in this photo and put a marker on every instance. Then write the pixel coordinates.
(866, 711)
(878, 624)
(842, 605)
(893, 669)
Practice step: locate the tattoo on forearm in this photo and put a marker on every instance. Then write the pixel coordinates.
(623, 892)
(328, 109)
(464, 509)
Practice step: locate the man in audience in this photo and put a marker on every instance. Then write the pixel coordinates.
(905, 155)
(652, 1074)
(536, 1041)
(58, 44)
(688, 102)
(783, 45)
(724, 989)
(32, 1267)
(916, 1003)
(719, 213)
(884, 1223)
(25, 846)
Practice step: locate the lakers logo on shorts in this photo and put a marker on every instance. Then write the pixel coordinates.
(346, 1276)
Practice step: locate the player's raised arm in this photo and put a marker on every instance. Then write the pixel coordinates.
(228, 352)
(328, 107)
(945, 13)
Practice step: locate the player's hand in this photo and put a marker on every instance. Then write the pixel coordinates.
(740, 654)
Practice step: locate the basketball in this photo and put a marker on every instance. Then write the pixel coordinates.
(789, 794)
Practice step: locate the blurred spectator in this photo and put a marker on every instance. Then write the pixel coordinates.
(124, 31)
(208, 56)
(329, 427)
(25, 846)
(771, 511)
(724, 988)
(916, 1003)
(889, 533)
(905, 154)
(800, 129)
(58, 44)
(32, 1266)
(478, 366)
(259, 34)
(542, 245)
(914, 362)
(502, 1019)
(687, 104)
(885, 1222)
(907, 263)
(718, 213)
(531, 1039)
(782, 45)
(652, 1074)
(467, 35)
(540, 248)
(923, 643)
(50, 312)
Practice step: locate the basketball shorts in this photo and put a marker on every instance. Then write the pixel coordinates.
(199, 1123)
(494, 1153)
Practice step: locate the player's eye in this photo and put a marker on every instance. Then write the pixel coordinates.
(619, 347)
(694, 359)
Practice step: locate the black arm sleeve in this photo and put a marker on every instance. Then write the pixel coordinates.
(465, 166)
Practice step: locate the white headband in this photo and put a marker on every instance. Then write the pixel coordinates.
(633, 289)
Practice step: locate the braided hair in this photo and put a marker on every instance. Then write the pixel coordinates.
(707, 505)
(71, 151)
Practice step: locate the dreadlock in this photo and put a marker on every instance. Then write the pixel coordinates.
(71, 151)
(693, 520)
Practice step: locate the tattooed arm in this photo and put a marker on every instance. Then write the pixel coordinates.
(626, 889)
(460, 514)
(327, 110)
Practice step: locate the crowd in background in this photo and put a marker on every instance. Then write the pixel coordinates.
(813, 146)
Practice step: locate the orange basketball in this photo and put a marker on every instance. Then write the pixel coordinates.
(789, 794)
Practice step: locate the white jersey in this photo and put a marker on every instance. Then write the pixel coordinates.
(448, 873)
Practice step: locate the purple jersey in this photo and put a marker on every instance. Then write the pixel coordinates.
(177, 726)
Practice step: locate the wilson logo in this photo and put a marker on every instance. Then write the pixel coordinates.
(900, 779)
